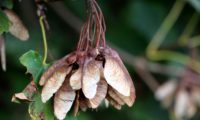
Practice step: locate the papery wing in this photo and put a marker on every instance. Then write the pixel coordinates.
(76, 104)
(114, 103)
(181, 104)
(54, 83)
(49, 72)
(91, 77)
(101, 94)
(114, 95)
(116, 76)
(167, 89)
(195, 94)
(84, 103)
(17, 28)
(75, 79)
(121, 99)
(63, 100)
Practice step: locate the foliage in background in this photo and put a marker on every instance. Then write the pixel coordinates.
(131, 24)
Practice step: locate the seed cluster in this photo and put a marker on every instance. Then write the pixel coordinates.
(182, 95)
(92, 73)
(84, 80)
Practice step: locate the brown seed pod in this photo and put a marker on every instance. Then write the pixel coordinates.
(60, 63)
(165, 92)
(76, 103)
(116, 77)
(91, 76)
(17, 28)
(113, 94)
(75, 79)
(54, 83)
(84, 103)
(116, 73)
(63, 100)
(195, 95)
(181, 104)
(114, 103)
(101, 94)
(129, 100)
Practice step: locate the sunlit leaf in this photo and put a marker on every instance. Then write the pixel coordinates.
(38, 110)
(33, 62)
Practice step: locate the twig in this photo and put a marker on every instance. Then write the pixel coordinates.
(152, 50)
(3, 54)
(183, 40)
(165, 28)
(44, 39)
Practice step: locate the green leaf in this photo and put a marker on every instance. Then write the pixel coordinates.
(48, 111)
(195, 4)
(32, 60)
(7, 3)
(4, 22)
(39, 110)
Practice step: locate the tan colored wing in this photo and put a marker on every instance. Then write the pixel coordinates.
(91, 77)
(75, 79)
(114, 103)
(113, 94)
(116, 76)
(54, 83)
(167, 89)
(102, 88)
(76, 104)
(63, 100)
(121, 99)
(49, 72)
(181, 104)
(17, 28)
(83, 102)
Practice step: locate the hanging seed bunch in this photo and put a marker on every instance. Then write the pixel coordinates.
(185, 94)
(92, 73)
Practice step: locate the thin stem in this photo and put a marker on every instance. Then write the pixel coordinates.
(177, 57)
(183, 40)
(152, 49)
(3, 53)
(165, 28)
(41, 19)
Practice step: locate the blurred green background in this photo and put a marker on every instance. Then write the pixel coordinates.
(131, 24)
